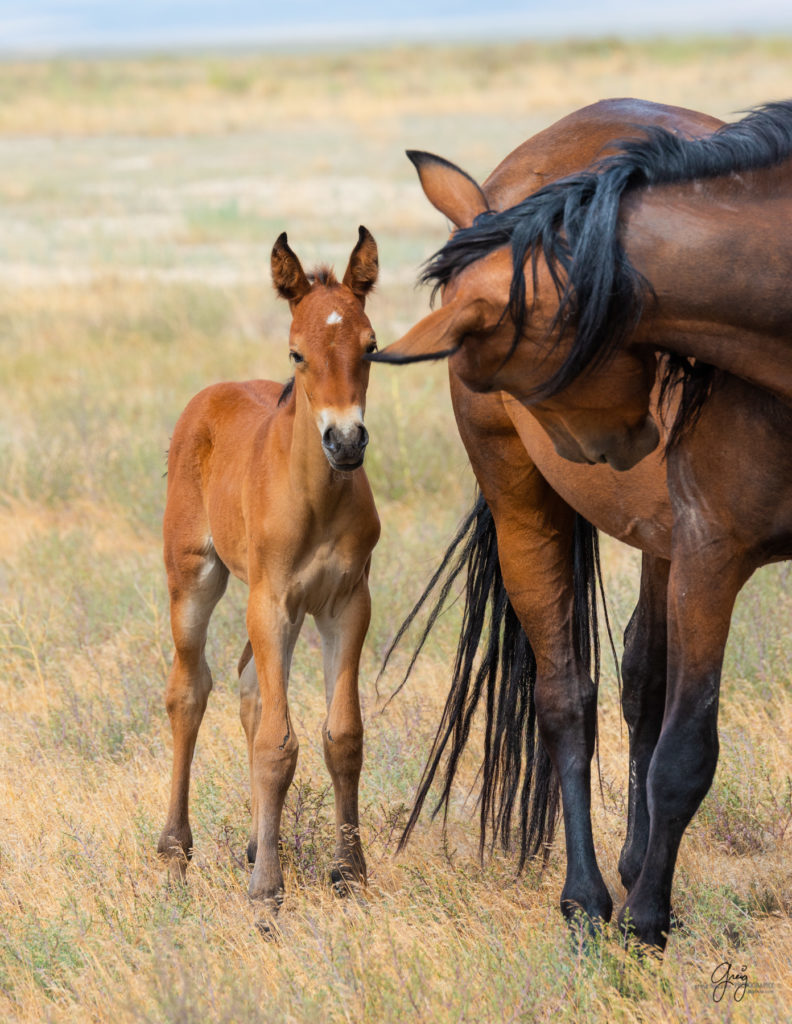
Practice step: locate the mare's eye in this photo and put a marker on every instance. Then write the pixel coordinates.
(372, 346)
(296, 357)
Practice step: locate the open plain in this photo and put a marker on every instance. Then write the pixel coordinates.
(139, 201)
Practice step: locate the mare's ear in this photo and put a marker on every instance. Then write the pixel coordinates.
(449, 189)
(436, 336)
(361, 274)
(288, 275)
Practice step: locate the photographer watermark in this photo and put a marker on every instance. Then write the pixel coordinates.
(730, 980)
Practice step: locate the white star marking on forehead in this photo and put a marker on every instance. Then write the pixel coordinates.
(334, 318)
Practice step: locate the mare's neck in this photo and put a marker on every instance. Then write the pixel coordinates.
(718, 261)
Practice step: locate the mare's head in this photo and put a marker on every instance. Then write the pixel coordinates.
(599, 413)
(330, 335)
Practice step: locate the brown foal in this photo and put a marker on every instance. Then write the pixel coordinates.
(266, 482)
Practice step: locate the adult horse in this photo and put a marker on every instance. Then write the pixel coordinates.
(704, 518)
(669, 241)
(265, 482)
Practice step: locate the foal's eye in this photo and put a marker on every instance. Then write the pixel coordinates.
(296, 357)
(371, 347)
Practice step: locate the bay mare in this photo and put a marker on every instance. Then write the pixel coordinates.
(705, 517)
(670, 242)
(265, 482)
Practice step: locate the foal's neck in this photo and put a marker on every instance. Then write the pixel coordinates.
(314, 483)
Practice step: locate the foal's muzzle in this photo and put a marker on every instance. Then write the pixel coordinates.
(345, 448)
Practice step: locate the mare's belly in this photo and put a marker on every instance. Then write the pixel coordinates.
(632, 506)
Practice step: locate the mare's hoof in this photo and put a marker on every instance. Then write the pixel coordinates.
(644, 938)
(591, 913)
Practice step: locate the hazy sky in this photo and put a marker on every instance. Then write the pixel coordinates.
(54, 25)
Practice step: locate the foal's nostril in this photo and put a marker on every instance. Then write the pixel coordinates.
(355, 438)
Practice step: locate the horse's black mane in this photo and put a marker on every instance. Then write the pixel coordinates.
(288, 388)
(574, 224)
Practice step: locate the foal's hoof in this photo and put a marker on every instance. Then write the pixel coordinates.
(344, 887)
(177, 872)
(172, 853)
(266, 913)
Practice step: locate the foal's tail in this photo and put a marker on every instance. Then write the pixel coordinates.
(517, 777)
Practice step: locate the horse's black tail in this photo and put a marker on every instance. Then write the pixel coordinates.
(517, 777)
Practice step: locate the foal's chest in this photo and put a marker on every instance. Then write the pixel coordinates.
(321, 582)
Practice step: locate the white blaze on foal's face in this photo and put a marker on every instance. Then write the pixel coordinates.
(330, 338)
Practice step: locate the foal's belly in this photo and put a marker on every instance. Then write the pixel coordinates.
(632, 506)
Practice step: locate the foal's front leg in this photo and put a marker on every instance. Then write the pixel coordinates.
(273, 757)
(342, 641)
(250, 716)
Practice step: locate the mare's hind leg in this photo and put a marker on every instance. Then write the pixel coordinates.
(703, 585)
(196, 580)
(535, 530)
(342, 733)
(644, 668)
(250, 715)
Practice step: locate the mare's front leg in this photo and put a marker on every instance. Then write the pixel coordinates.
(196, 580)
(273, 757)
(644, 669)
(564, 692)
(535, 529)
(343, 635)
(706, 575)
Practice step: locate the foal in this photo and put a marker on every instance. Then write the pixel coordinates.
(266, 482)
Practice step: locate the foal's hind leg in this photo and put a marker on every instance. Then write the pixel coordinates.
(644, 669)
(342, 733)
(196, 580)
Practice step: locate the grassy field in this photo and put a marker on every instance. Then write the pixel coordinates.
(139, 201)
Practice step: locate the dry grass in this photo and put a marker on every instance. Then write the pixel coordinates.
(138, 203)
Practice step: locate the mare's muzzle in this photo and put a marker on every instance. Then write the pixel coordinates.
(345, 447)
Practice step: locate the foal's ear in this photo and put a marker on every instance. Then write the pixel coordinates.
(438, 335)
(449, 189)
(288, 275)
(361, 274)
